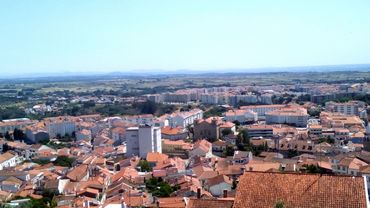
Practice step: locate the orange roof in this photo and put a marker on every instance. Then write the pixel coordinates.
(261, 166)
(172, 131)
(209, 203)
(6, 156)
(78, 173)
(173, 202)
(203, 144)
(227, 125)
(155, 157)
(219, 179)
(261, 106)
(260, 189)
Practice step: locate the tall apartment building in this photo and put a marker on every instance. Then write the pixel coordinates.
(60, 126)
(143, 139)
(157, 98)
(246, 99)
(351, 108)
(10, 125)
(266, 99)
(209, 98)
(176, 98)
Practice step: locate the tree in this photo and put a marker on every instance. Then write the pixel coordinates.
(279, 204)
(7, 136)
(159, 188)
(190, 130)
(226, 132)
(292, 153)
(313, 169)
(229, 151)
(149, 107)
(314, 112)
(144, 166)
(214, 111)
(237, 123)
(5, 147)
(64, 161)
(18, 134)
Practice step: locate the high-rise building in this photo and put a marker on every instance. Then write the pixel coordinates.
(143, 139)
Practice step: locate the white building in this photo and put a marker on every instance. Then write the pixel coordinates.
(156, 98)
(183, 119)
(241, 115)
(266, 99)
(349, 108)
(176, 98)
(60, 126)
(261, 110)
(9, 160)
(143, 139)
(217, 185)
(209, 98)
(246, 99)
(11, 124)
(289, 115)
(139, 119)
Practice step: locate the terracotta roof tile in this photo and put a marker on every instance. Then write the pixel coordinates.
(209, 203)
(257, 189)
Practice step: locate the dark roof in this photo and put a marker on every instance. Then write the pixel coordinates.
(261, 189)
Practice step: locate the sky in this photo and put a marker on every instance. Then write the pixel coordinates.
(63, 36)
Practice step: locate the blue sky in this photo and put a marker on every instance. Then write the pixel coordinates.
(122, 35)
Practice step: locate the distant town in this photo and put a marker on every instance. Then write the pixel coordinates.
(280, 139)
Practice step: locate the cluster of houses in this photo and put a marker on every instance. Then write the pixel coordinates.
(112, 159)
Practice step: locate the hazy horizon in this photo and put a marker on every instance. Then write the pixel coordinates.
(57, 37)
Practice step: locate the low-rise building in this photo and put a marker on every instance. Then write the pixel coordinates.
(257, 130)
(292, 115)
(218, 185)
(261, 110)
(8, 159)
(212, 128)
(185, 118)
(176, 133)
(242, 116)
(201, 148)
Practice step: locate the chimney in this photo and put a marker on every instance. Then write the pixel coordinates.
(198, 193)
(225, 193)
(250, 168)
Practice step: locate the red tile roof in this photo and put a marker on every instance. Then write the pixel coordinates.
(258, 189)
(209, 203)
